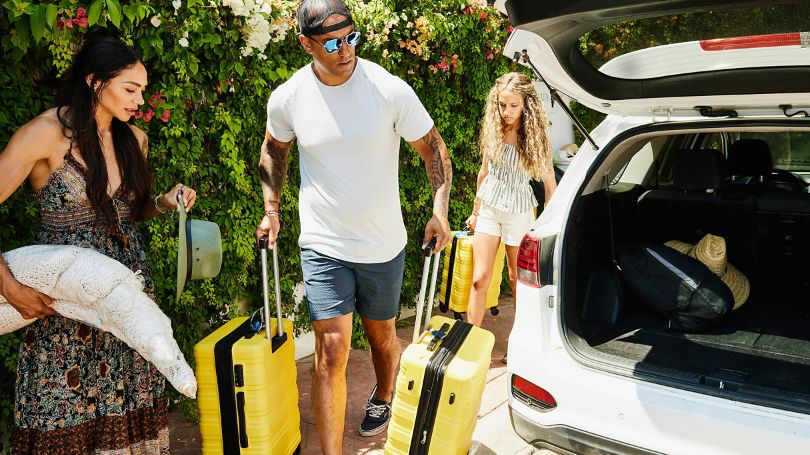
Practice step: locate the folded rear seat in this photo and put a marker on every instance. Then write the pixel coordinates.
(691, 207)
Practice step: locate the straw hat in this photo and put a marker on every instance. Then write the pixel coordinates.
(199, 252)
(711, 251)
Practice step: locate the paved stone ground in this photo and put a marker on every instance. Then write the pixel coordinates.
(493, 434)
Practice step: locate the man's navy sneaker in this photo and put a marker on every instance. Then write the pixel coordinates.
(378, 414)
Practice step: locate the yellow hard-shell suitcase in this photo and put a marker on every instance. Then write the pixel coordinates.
(248, 397)
(439, 386)
(457, 276)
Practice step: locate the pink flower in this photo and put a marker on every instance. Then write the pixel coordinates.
(81, 12)
(69, 23)
(81, 22)
(165, 116)
(510, 29)
(483, 16)
(138, 114)
(490, 56)
(156, 99)
(147, 117)
(60, 24)
(443, 65)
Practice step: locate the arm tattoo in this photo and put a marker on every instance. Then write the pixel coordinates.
(273, 168)
(439, 170)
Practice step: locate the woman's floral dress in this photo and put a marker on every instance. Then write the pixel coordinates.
(80, 390)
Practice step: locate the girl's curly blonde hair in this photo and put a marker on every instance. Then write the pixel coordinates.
(533, 146)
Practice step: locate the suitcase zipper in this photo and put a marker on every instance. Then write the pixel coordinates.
(432, 387)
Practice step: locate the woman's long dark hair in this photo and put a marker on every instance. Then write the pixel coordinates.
(102, 59)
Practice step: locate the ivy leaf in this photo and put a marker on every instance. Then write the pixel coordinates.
(95, 11)
(239, 68)
(50, 15)
(114, 9)
(142, 12)
(131, 12)
(37, 21)
(23, 29)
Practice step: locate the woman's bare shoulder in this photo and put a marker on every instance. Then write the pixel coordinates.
(42, 135)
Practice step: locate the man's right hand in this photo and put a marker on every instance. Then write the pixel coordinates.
(268, 227)
(27, 300)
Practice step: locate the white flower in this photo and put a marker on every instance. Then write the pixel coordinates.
(258, 30)
(155, 20)
(183, 41)
(177, 4)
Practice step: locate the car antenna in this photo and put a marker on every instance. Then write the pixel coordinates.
(555, 95)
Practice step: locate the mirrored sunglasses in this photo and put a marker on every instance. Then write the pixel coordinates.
(334, 45)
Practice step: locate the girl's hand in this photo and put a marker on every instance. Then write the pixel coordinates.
(471, 221)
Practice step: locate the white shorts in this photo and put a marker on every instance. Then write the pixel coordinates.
(510, 227)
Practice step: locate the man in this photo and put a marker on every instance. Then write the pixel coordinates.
(347, 116)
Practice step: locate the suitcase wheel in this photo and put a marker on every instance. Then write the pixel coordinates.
(443, 307)
(494, 310)
(458, 316)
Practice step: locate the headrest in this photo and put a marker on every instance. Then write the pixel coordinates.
(750, 157)
(698, 169)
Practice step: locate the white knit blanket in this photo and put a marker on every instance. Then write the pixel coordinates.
(92, 288)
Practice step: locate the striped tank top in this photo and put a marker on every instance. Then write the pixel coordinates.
(506, 185)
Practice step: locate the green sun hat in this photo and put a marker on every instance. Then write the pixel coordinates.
(199, 252)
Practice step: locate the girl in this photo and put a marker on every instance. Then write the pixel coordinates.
(515, 148)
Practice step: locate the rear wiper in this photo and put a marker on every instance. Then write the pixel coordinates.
(555, 95)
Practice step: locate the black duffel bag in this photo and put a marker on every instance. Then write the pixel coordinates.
(675, 285)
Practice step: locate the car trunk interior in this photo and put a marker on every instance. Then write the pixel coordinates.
(761, 350)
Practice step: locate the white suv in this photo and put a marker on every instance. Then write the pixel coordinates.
(698, 139)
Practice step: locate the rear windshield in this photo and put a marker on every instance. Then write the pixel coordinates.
(790, 150)
(705, 41)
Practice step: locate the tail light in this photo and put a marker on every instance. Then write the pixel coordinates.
(532, 394)
(528, 261)
(750, 42)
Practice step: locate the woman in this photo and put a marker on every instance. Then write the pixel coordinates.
(78, 389)
(515, 148)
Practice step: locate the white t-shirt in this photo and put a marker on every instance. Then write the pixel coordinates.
(348, 140)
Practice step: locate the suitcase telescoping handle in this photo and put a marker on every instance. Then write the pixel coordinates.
(427, 251)
(263, 244)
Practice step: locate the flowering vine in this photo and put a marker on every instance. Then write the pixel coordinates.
(265, 21)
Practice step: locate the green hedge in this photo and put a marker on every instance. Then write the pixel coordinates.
(212, 66)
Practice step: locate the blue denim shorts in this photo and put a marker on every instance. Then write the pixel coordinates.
(334, 287)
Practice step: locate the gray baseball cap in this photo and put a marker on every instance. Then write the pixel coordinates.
(312, 13)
